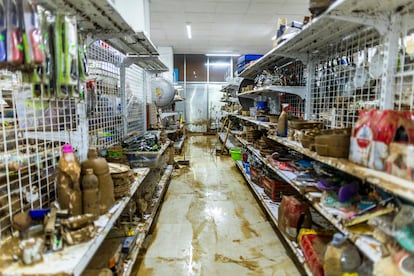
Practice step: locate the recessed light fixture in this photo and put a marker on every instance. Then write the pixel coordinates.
(217, 64)
(222, 55)
(189, 30)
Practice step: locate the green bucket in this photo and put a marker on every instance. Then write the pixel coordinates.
(235, 154)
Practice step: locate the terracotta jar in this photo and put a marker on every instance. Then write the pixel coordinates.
(101, 170)
(90, 193)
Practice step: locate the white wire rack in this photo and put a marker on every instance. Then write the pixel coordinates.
(297, 104)
(404, 78)
(104, 96)
(135, 99)
(292, 73)
(33, 131)
(347, 79)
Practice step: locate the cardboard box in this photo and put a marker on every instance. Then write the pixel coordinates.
(401, 161)
(373, 133)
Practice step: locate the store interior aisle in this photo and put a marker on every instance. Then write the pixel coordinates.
(210, 223)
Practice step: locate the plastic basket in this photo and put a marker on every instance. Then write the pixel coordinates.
(235, 154)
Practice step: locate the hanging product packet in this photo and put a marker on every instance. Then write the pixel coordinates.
(14, 43)
(31, 33)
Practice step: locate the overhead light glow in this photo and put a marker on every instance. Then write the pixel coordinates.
(218, 64)
(189, 30)
(223, 55)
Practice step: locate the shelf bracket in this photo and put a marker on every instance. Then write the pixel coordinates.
(391, 49)
(130, 59)
(380, 22)
(308, 95)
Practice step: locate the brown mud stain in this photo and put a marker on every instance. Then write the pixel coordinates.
(247, 230)
(256, 253)
(199, 223)
(250, 265)
(147, 271)
(170, 260)
(246, 227)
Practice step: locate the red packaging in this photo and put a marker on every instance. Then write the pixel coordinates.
(255, 175)
(313, 244)
(292, 216)
(373, 133)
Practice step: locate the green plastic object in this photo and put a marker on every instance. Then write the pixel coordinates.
(235, 154)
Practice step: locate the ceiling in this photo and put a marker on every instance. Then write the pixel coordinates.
(221, 26)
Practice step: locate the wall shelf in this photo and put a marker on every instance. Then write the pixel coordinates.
(391, 183)
(162, 189)
(396, 185)
(342, 19)
(272, 89)
(272, 209)
(369, 246)
(100, 20)
(74, 259)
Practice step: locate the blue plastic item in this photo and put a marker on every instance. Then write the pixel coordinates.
(247, 58)
(38, 213)
(262, 105)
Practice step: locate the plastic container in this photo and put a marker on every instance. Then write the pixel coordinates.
(340, 257)
(91, 196)
(235, 154)
(140, 159)
(101, 170)
(68, 188)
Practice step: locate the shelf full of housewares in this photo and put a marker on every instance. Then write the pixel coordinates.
(272, 210)
(144, 229)
(393, 184)
(103, 21)
(317, 37)
(369, 246)
(271, 89)
(72, 260)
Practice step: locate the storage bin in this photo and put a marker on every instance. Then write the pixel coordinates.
(275, 189)
(139, 159)
(235, 154)
(255, 175)
(334, 145)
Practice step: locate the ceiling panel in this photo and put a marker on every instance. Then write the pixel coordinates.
(236, 26)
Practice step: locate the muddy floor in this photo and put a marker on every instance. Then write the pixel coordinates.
(210, 223)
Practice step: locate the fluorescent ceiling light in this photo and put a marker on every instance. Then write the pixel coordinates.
(218, 64)
(189, 30)
(223, 55)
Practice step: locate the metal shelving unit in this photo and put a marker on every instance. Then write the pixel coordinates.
(272, 89)
(159, 197)
(368, 246)
(74, 259)
(100, 20)
(272, 208)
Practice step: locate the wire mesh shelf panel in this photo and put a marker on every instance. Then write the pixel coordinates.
(291, 74)
(33, 130)
(104, 107)
(134, 94)
(297, 105)
(404, 80)
(348, 79)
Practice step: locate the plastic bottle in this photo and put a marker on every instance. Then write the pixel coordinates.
(340, 256)
(90, 193)
(101, 170)
(282, 123)
(68, 188)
